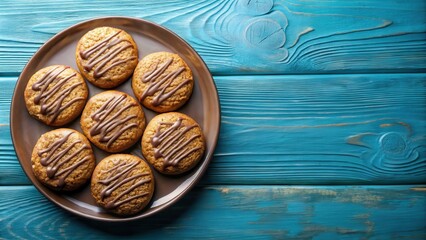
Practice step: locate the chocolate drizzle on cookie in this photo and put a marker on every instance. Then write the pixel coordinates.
(111, 126)
(103, 52)
(51, 99)
(171, 144)
(54, 158)
(159, 82)
(121, 174)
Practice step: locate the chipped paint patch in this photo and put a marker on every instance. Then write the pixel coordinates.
(224, 190)
(362, 216)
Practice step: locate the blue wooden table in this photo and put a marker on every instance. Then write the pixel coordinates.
(323, 119)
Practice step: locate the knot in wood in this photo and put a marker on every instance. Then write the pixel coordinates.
(392, 143)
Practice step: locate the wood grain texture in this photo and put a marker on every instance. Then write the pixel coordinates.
(317, 129)
(10, 172)
(246, 36)
(235, 212)
(322, 129)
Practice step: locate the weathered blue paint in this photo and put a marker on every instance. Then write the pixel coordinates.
(246, 36)
(317, 128)
(231, 212)
(322, 129)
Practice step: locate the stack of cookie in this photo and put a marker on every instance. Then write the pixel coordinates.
(113, 121)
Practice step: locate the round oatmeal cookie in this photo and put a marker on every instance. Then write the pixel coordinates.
(162, 82)
(56, 95)
(63, 159)
(122, 184)
(106, 56)
(173, 143)
(113, 121)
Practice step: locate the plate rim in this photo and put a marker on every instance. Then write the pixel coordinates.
(201, 169)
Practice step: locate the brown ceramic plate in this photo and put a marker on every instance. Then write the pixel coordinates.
(203, 107)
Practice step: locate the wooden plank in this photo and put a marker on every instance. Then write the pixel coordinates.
(11, 172)
(322, 129)
(319, 129)
(244, 36)
(235, 212)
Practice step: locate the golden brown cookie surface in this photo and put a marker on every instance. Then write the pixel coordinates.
(162, 82)
(56, 95)
(122, 184)
(106, 56)
(173, 143)
(113, 121)
(63, 159)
